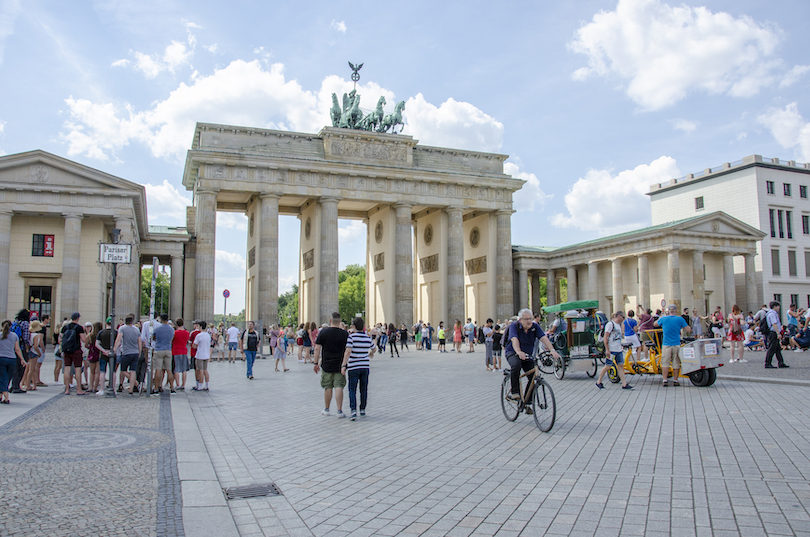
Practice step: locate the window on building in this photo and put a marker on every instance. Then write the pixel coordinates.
(775, 262)
(699, 203)
(769, 187)
(789, 223)
(773, 225)
(780, 222)
(42, 246)
(802, 191)
(794, 299)
(786, 188)
(807, 263)
(778, 298)
(792, 263)
(806, 224)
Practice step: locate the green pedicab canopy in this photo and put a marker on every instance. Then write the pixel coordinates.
(575, 305)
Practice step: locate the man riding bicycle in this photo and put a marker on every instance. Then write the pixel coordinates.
(519, 346)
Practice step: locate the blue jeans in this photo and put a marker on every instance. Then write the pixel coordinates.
(383, 341)
(250, 356)
(6, 372)
(356, 375)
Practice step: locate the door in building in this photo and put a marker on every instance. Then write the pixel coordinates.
(39, 300)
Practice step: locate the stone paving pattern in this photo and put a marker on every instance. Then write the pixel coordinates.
(799, 369)
(435, 456)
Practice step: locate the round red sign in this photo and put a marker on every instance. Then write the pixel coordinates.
(226, 293)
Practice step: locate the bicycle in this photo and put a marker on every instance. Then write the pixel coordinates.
(549, 365)
(537, 395)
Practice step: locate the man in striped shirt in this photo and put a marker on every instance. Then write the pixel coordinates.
(359, 349)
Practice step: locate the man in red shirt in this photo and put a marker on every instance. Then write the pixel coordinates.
(180, 352)
(193, 352)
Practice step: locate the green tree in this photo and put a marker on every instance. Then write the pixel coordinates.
(218, 317)
(288, 308)
(161, 292)
(351, 291)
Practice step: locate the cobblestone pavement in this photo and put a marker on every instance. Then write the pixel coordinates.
(77, 466)
(435, 455)
(799, 369)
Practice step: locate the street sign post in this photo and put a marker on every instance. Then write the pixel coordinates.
(226, 294)
(114, 254)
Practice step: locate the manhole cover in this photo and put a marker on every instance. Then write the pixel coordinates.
(251, 491)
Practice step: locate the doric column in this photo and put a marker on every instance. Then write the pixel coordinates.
(593, 280)
(698, 283)
(752, 296)
(403, 275)
(535, 277)
(204, 266)
(643, 281)
(455, 265)
(176, 287)
(729, 285)
(674, 270)
(328, 263)
(572, 284)
(551, 287)
(71, 264)
(523, 287)
(268, 260)
(127, 284)
(5, 257)
(503, 261)
(618, 287)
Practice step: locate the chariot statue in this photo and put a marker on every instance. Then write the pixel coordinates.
(350, 116)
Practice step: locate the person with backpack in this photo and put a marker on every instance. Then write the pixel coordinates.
(613, 345)
(11, 357)
(249, 344)
(20, 327)
(72, 338)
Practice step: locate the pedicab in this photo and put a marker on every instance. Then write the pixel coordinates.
(578, 346)
(700, 359)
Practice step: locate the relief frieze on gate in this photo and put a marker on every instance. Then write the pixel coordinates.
(477, 265)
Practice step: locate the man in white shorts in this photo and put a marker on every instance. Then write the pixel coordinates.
(202, 342)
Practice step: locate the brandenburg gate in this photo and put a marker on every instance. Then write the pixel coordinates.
(438, 242)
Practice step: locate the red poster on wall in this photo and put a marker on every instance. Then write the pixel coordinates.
(48, 246)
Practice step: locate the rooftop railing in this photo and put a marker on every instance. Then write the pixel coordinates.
(729, 165)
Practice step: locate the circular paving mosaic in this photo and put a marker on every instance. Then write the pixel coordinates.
(81, 442)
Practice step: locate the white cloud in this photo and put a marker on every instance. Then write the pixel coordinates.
(229, 260)
(792, 76)
(8, 14)
(685, 125)
(174, 56)
(2, 126)
(453, 124)
(351, 231)
(531, 196)
(166, 204)
(285, 284)
(245, 93)
(665, 52)
(338, 26)
(120, 63)
(237, 221)
(789, 128)
(211, 48)
(610, 203)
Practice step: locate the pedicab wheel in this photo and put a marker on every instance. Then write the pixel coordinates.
(545, 363)
(592, 371)
(545, 407)
(559, 367)
(613, 374)
(511, 409)
(703, 377)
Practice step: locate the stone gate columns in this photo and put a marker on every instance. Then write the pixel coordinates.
(729, 284)
(5, 255)
(403, 275)
(618, 288)
(593, 280)
(176, 288)
(455, 265)
(504, 307)
(268, 260)
(572, 284)
(752, 296)
(128, 277)
(698, 283)
(71, 264)
(674, 270)
(535, 292)
(523, 288)
(206, 254)
(329, 259)
(643, 282)
(551, 287)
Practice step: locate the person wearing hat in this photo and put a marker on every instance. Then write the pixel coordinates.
(34, 353)
(672, 324)
(73, 338)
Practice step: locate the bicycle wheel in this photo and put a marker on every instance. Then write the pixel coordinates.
(545, 363)
(613, 374)
(592, 371)
(559, 368)
(511, 410)
(545, 407)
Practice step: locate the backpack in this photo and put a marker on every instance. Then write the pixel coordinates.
(70, 339)
(764, 328)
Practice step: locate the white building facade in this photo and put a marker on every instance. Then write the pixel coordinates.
(767, 194)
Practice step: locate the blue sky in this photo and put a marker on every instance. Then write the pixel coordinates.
(592, 100)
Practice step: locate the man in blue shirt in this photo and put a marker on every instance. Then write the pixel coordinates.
(672, 323)
(520, 344)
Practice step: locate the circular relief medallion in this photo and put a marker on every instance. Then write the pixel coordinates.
(250, 225)
(475, 237)
(715, 226)
(428, 234)
(308, 228)
(378, 232)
